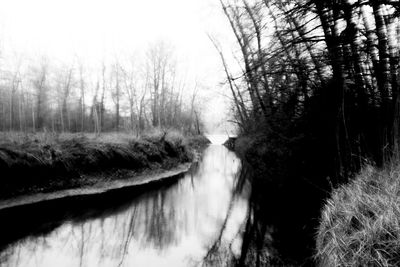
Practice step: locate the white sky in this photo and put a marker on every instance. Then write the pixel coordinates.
(95, 29)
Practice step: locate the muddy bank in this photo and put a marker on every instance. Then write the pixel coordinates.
(144, 179)
(34, 166)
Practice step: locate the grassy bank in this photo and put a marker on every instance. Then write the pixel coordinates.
(44, 162)
(360, 223)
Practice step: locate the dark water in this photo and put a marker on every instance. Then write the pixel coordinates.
(173, 225)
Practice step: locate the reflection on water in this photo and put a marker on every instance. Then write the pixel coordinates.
(174, 225)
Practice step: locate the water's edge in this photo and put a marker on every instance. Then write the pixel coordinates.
(99, 188)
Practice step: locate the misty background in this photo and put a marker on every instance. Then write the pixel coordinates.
(79, 45)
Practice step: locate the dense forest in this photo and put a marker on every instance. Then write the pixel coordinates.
(121, 93)
(316, 99)
(335, 60)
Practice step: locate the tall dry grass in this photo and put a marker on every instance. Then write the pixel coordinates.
(360, 223)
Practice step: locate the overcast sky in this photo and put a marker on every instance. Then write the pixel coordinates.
(94, 29)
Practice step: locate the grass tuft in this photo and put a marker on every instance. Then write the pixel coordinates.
(360, 223)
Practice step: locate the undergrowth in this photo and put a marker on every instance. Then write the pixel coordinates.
(360, 223)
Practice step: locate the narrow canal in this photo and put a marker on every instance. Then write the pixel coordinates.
(175, 224)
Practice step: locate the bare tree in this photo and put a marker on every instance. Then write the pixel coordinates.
(39, 83)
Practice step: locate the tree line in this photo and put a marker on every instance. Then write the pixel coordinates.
(122, 93)
(327, 70)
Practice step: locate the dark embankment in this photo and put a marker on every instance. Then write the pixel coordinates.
(360, 222)
(287, 196)
(41, 166)
(230, 143)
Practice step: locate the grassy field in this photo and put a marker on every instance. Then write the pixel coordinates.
(45, 162)
(360, 223)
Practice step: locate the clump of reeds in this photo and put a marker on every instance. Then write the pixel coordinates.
(360, 223)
